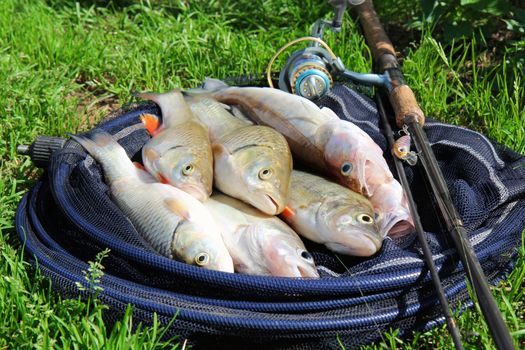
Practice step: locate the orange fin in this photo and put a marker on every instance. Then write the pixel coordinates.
(162, 179)
(151, 122)
(139, 166)
(177, 207)
(288, 213)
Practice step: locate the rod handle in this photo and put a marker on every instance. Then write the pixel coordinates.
(404, 104)
(376, 36)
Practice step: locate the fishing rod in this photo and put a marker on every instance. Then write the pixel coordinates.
(451, 324)
(409, 114)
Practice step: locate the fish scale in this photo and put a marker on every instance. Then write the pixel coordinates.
(259, 244)
(212, 114)
(157, 229)
(251, 162)
(256, 135)
(279, 112)
(321, 140)
(333, 215)
(176, 224)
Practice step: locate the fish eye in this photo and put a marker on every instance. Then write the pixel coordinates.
(365, 219)
(346, 168)
(188, 169)
(202, 259)
(265, 174)
(306, 256)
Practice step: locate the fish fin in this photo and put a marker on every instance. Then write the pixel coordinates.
(288, 213)
(330, 113)
(172, 105)
(162, 179)
(361, 176)
(93, 143)
(139, 166)
(237, 112)
(151, 122)
(143, 174)
(195, 95)
(211, 84)
(177, 207)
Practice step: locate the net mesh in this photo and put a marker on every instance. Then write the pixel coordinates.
(68, 217)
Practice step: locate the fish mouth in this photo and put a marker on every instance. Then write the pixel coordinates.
(298, 271)
(364, 245)
(196, 192)
(396, 225)
(275, 204)
(307, 272)
(401, 228)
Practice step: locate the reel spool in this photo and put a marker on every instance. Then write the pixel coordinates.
(306, 73)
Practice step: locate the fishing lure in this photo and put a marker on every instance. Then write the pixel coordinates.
(401, 150)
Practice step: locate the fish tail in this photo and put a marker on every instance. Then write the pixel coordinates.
(94, 143)
(101, 146)
(172, 106)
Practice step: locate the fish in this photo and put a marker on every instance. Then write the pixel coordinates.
(401, 150)
(176, 224)
(179, 152)
(321, 140)
(216, 116)
(260, 244)
(333, 215)
(182, 157)
(251, 162)
(173, 109)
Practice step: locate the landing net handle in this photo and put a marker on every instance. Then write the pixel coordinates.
(407, 111)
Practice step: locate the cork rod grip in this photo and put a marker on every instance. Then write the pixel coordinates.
(404, 104)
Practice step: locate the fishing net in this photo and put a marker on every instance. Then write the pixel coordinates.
(68, 217)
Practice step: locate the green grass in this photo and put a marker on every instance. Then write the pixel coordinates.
(65, 65)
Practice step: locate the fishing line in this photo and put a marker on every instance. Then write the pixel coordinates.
(371, 312)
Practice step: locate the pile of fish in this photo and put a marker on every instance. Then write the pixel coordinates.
(240, 141)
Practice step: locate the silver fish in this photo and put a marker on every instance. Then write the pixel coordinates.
(251, 162)
(182, 156)
(335, 147)
(179, 153)
(176, 224)
(333, 215)
(258, 243)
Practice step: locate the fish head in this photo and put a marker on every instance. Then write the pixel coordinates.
(343, 161)
(392, 207)
(349, 227)
(194, 245)
(353, 158)
(255, 174)
(286, 255)
(191, 172)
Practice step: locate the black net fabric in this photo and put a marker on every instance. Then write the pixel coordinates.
(68, 217)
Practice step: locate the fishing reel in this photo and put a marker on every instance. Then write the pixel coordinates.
(310, 72)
